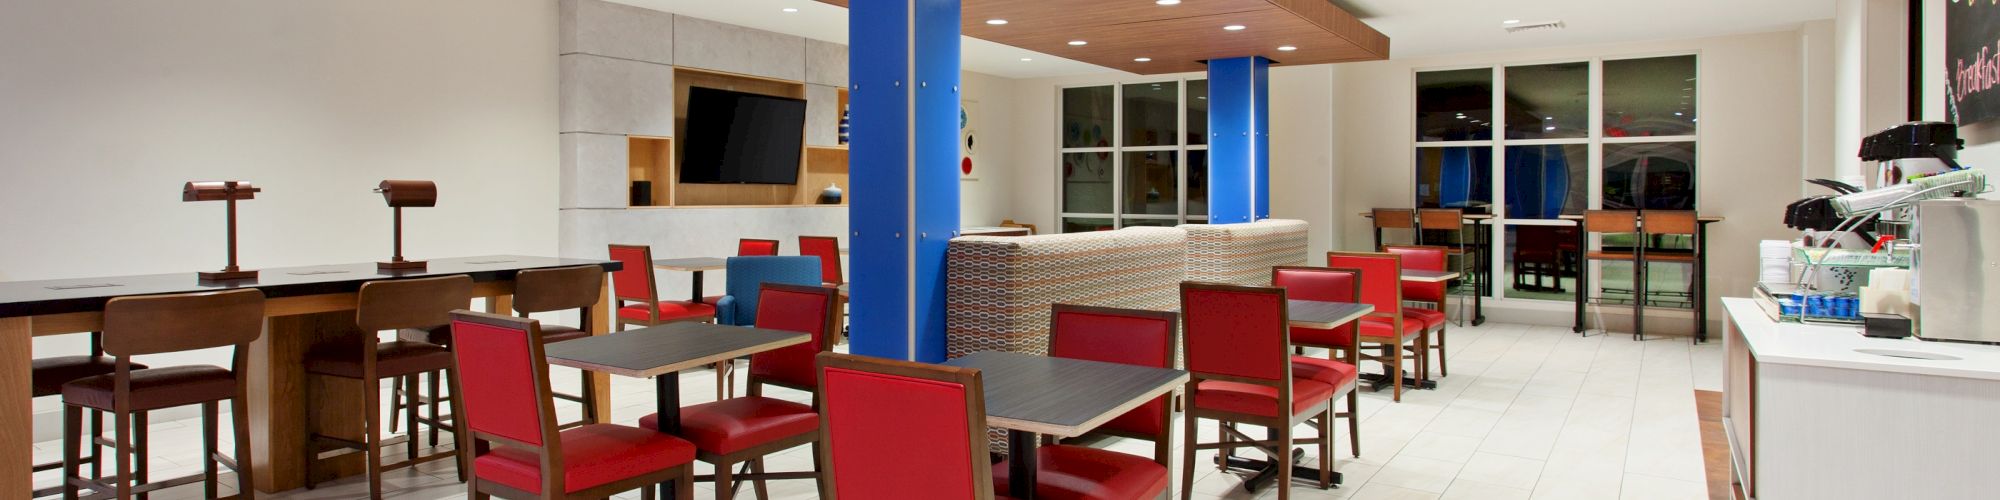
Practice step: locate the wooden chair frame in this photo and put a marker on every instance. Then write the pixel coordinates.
(1394, 218)
(580, 294)
(1393, 347)
(1437, 336)
(1163, 440)
(550, 452)
(725, 478)
(651, 300)
(975, 413)
(1620, 222)
(1351, 354)
(1279, 448)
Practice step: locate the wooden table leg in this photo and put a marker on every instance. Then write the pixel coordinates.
(501, 304)
(16, 408)
(277, 409)
(600, 382)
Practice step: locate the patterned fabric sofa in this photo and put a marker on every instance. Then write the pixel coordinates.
(1243, 254)
(998, 289)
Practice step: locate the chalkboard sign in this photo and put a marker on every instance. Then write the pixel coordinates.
(1972, 52)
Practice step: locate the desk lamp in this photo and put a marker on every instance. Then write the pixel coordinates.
(228, 192)
(401, 194)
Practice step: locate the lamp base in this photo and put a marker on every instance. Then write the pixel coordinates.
(248, 274)
(400, 265)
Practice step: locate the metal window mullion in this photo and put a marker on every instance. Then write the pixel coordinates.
(1117, 155)
(1496, 169)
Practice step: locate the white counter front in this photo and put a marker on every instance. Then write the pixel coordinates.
(1821, 412)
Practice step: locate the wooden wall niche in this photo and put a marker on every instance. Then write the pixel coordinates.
(652, 159)
(731, 194)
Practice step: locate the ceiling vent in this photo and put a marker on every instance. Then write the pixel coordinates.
(1545, 26)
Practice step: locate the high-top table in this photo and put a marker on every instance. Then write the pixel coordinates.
(306, 307)
(1700, 291)
(1029, 395)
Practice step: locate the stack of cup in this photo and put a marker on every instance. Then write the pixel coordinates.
(1774, 261)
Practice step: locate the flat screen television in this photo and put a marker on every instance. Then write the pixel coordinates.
(741, 138)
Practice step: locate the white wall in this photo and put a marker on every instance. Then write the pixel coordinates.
(1868, 70)
(110, 106)
(1982, 141)
(989, 199)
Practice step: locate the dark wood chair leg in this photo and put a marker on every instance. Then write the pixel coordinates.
(462, 443)
(1188, 425)
(725, 486)
(1284, 457)
(589, 394)
(239, 411)
(208, 448)
(436, 400)
(1354, 422)
(1326, 447)
(371, 430)
(141, 453)
(96, 448)
(311, 448)
(396, 391)
(684, 487)
(410, 399)
(757, 467)
(72, 449)
(1443, 370)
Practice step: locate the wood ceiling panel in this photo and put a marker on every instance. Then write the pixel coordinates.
(1177, 37)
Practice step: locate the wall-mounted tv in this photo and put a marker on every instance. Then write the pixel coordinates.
(741, 138)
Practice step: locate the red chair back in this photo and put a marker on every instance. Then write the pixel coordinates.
(827, 248)
(811, 310)
(1236, 331)
(1325, 284)
(1124, 336)
(747, 247)
(897, 429)
(1422, 258)
(634, 281)
(1381, 278)
(504, 378)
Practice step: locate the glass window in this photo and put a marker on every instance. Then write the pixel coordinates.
(1152, 114)
(1455, 105)
(1455, 177)
(1197, 113)
(1087, 183)
(1548, 101)
(1129, 222)
(1541, 261)
(1087, 117)
(1649, 97)
(1152, 180)
(1197, 183)
(1085, 224)
(1547, 181)
(1650, 176)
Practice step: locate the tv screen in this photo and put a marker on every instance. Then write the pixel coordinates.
(741, 138)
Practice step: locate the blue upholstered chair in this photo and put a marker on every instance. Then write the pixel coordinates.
(748, 274)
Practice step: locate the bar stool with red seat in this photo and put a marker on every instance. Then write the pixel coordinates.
(746, 429)
(1394, 331)
(422, 304)
(900, 429)
(510, 418)
(137, 326)
(1328, 284)
(1125, 336)
(634, 283)
(1239, 359)
(1435, 321)
(47, 376)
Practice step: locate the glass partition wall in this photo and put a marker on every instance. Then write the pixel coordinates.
(1553, 139)
(1133, 154)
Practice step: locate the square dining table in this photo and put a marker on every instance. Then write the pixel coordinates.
(694, 265)
(662, 352)
(1030, 395)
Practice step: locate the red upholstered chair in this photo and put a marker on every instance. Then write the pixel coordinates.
(1327, 284)
(1426, 258)
(1125, 336)
(747, 247)
(1240, 363)
(634, 283)
(1388, 327)
(898, 429)
(517, 451)
(745, 429)
(827, 248)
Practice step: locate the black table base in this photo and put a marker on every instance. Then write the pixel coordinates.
(1267, 472)
(668, 399)
(1022, 463)
(1377, 382)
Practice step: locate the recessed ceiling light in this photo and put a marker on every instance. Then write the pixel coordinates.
(1511, 21)
(996, 22)
(1287, 48)
(1677, 113)
(1078, 43)
(1548, 128)
(1142, 59)
(1234, 27)
(1026, 59)
(1167, 2)
(790, 10)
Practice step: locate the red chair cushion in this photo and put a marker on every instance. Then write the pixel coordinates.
(392, 359)
(1432, 319)
(1259, 400)
(1337, 337)
(592, 455)
(731, 425)
(51, 373)
(1374, 327)
(670, 310)
(155, 388)
(1065, 472)
(1338, 374)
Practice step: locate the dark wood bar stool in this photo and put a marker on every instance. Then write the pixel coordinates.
(1671, 223)
(415, 304)
(47, 379)
(1395, 218)
(135, 326)
(1616, 222)
(560, 289)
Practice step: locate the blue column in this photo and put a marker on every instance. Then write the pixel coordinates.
(1239, 144)
(903, 70)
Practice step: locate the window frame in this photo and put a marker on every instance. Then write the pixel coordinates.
(1117, 150)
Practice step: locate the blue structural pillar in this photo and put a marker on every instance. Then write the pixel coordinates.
(1239, 144)
(903, 98)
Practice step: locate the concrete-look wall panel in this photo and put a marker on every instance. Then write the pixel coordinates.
(594, 171)
(617, 30)
(822, 115)
(826, 63)
(704, 44)
(616, 96)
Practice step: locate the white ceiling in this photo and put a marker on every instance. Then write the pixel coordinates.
(1416, 28)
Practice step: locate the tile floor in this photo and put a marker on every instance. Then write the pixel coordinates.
(1527, 412)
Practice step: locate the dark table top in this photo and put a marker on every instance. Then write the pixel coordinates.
(28, 298)
(668, 348)
(1325, 315)
(1060, 396)
(695, 264)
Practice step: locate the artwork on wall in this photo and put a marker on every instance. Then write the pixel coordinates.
(968, 159)
(1972, 53)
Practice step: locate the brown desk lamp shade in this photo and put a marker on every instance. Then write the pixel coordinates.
(401, 194)
(229, 192)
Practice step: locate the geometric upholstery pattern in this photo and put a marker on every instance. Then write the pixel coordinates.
(1243, 254)
(998, 289)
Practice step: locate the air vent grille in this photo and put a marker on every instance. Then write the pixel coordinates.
(1545, 26)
